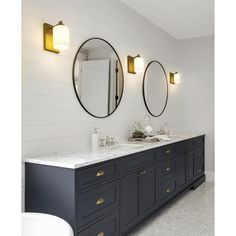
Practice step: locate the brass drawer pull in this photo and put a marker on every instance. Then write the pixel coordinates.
(142, 172)
(101, 234)
(168, 151)
(168, 169)
(100, 173)
(167, 190)
(100, 201)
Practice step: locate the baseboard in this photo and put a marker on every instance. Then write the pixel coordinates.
(210, 176)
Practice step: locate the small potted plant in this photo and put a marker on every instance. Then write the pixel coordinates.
(138, 130)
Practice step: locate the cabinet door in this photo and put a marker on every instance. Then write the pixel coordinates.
(130, 200)
(148, 180)
(190, 166)
(181, 171)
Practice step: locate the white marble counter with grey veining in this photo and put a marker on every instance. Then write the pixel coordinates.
(75, 160)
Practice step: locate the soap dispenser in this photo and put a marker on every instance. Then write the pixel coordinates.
(95, 140)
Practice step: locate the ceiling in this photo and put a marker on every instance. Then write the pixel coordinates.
(180, 18)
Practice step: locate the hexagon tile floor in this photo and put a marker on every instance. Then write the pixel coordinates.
(190, 215)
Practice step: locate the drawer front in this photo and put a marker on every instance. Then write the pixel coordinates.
(167, 168)
(96, 202)
(167, 190)
(199, 154)
(199, 168)
(199, 141)
(167, 151)
(136, 161)
(93, 175)
(108, 226)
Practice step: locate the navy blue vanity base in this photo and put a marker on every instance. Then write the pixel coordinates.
(116, 197)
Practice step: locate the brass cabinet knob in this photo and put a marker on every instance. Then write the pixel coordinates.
(100, 173)
(100, 201)
(168, 169)
(167, 190)
(101, 234)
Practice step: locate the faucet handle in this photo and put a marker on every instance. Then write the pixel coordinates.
(113, 141)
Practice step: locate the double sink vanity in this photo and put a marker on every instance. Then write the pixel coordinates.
(113, 192)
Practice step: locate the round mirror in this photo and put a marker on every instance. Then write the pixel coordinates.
(98, 77)
(155, 88)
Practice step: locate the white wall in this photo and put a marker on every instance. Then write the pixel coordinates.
(195, 96)
(52, 118)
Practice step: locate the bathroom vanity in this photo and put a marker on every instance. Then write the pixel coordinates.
(114, 193)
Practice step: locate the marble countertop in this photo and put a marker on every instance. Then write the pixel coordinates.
(75, 160)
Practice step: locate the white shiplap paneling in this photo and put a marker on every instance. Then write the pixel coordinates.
(52, 118)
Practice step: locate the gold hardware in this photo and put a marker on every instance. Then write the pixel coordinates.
(100, 201)
(168, 169)
(48, 38)
(130, 65)
(101, 234)
(167, 190)
(168, 151)
(100, 173)
(142, 172)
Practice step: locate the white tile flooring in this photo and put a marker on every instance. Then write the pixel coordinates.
(190, 215)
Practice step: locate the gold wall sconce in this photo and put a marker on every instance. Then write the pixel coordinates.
(135, 64)
(56, 38)
(174, 78)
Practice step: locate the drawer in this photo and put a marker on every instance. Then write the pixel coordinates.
(96, 202)
(198, 168)
(185, 146)
(199, 153)
(199, 141)
(136, 161)
(95, 174)
(167, 168)
(108, 226)
(167, 190)
(167, 151)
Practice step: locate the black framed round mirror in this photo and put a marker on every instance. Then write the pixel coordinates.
(155, 88)
(98, 77)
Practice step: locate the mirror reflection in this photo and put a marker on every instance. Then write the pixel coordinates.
(155, 88)
(98, 77)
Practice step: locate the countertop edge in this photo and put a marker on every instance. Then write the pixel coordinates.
(45, 159)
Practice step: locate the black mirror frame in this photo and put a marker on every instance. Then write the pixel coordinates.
(167, 89)
(73, 78)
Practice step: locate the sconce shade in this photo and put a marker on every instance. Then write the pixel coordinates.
(177, 78)
(138, 64)
(61, 36)
(174, 78)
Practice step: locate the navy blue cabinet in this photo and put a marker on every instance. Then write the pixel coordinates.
(112, 198)
(131, 209)
(139, 196)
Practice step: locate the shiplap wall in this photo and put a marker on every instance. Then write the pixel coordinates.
(53, 120)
